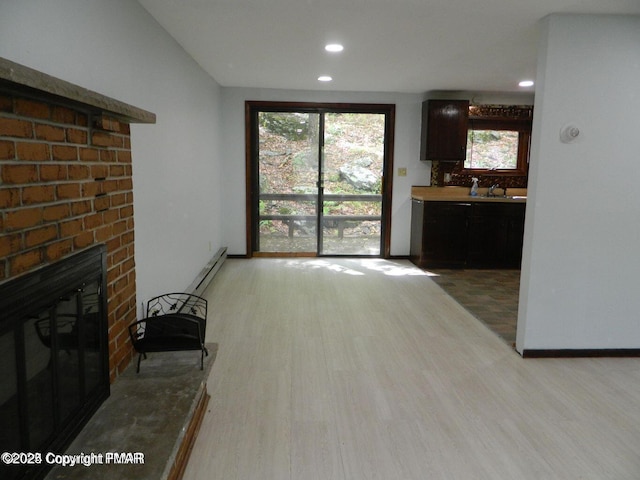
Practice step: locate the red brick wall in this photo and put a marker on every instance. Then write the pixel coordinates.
(65, 185)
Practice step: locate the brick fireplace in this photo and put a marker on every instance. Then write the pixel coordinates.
(65, 186)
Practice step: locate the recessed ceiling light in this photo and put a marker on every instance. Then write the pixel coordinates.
(334, 47)
(526, 83)
(324, 78)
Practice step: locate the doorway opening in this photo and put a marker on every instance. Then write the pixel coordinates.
(316, 179)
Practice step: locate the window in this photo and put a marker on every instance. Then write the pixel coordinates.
(498, 144)
(492, 149)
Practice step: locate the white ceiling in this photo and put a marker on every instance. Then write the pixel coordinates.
(390, 45)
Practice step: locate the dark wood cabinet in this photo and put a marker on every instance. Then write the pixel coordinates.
(439, 233)
(495, 235)
(444, 130)
(416, 249)
(515, 238)
(469, 235)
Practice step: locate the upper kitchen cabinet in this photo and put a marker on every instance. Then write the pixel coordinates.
(444, 130)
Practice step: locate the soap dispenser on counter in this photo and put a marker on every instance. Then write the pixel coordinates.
(474, 187)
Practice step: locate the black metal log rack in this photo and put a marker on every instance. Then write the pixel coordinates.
(174, 322)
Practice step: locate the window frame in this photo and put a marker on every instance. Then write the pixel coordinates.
(520, 125)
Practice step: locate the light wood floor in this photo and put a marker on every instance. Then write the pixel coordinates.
(365, 369)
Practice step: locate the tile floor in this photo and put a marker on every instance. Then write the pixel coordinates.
(490, 295)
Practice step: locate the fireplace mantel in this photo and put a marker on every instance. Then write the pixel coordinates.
(17, 78)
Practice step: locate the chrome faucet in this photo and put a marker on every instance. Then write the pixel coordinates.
(491, 193)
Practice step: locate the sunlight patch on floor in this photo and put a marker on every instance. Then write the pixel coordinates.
(390, 267)
(359, 266)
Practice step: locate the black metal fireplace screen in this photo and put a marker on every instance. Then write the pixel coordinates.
(54, 351)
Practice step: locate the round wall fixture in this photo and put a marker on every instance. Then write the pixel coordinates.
(569, 133)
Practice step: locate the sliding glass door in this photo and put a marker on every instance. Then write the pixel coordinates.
(316, 180)
(288, 168)
(351, 186)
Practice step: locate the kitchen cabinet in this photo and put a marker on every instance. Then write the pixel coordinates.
(495, 235)
(439, 233)
(466, 234)
(444, 130)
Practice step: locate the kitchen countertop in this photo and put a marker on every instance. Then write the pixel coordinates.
(461, 194)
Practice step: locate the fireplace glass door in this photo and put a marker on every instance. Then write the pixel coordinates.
(54, 358)
(61, 344)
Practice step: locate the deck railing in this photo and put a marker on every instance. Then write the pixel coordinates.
(293, 221)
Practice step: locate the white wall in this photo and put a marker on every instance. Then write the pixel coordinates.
(581, 261)
(406, 154)
(116, 48)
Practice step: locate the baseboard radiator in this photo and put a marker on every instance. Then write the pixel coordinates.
(199, 285)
